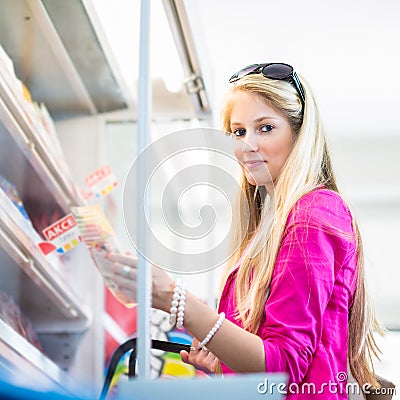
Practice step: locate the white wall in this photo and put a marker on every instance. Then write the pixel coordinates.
(368, 172)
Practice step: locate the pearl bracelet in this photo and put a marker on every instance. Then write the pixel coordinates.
(177, 305)
(213, 330)
(181, 308)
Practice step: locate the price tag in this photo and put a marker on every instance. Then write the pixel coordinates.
(64, 234)
(100, 183)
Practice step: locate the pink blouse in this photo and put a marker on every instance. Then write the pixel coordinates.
(305, 327)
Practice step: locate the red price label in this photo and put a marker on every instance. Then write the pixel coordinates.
(60, 227)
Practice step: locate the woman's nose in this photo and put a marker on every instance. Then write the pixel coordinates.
(250, 141)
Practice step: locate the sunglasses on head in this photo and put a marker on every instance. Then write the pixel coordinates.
(278, 71)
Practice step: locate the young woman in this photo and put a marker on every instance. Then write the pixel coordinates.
(293, 297)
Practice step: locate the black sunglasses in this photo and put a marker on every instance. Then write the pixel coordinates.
(279, 71)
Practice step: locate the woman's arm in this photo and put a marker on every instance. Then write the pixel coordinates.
(240, 350)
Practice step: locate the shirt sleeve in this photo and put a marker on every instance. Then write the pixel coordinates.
(311, 255)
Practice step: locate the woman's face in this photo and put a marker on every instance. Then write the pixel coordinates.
(263, 138)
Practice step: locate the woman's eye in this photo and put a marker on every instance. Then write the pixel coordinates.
(266, 128)
(239, 132)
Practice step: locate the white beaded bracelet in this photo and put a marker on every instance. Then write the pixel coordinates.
(213, 330)
(181, 308)
(175, 302)
(178, 305)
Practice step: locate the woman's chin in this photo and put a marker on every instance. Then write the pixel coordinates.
(257, 182)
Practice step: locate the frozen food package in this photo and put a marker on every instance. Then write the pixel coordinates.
(99, 238)
(11, 314)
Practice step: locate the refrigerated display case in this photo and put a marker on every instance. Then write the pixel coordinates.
(61, 295)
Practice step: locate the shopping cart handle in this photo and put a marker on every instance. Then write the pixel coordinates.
(131, 345)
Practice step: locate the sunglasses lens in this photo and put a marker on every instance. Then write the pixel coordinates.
(243, 72)
(277, 71)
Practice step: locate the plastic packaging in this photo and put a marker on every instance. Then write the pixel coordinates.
(13, 316)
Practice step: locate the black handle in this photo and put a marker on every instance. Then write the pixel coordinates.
(131, 345)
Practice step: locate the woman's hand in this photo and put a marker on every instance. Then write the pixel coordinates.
(201, 359)
(124, 276)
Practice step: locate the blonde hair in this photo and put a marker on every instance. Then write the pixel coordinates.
(311, 160)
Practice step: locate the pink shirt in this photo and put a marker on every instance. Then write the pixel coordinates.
(305, 328)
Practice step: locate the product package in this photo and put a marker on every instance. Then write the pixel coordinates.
(13, 316)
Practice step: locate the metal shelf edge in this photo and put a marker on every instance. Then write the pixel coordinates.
(17, 121)
(25, 252)
(23, 355)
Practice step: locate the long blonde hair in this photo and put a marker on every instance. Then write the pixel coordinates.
(311, 160)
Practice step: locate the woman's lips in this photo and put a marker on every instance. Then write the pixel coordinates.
(253, 164)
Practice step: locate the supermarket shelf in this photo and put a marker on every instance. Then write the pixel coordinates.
(68, 70)
(63, 312)
(71, 70)
(34, 369)
(20, 124)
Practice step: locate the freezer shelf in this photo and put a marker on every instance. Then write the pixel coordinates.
(30, 368)
(64, 311)
(71, 70)
(20, 125)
